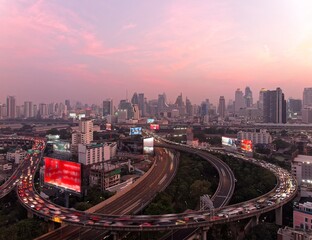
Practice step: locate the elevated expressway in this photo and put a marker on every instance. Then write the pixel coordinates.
(285, 190)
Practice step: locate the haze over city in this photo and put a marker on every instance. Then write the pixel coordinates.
(204, 49)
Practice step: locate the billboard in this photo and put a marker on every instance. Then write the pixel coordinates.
(148, 145)
(228, 142)
(136, 131)
(150, 120)
(154, 126)
(63, 174)
(246, 145)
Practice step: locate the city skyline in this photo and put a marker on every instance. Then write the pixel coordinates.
(204, 49)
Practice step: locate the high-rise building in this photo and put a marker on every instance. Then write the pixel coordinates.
(43, 110)
(189, 107)
(221, 107)
(248, 97)
(307, 97)
(239, 100)
(294, 107)
(135, 99)
(28, 109)
(261, 93)
(142, 105)
(307, 115)
(204, 108)
(162, 103)
(67, 103)
(11, 107)
(274, 106)
(108, 108)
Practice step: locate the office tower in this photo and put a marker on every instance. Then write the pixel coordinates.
(261, 93)
(307, 97)
(294, 107)
(126, 105)
(135, 99)
(43, 110)
(221, 107)
(274, 106)
(142, 105)
(35, 110)
(180, 105)
(189, 107)
(11, 107)
(86, 130)
(67, 103)
(307, 115)
(162, 103)
(28, 109)
(51, 109)
(239, 100)
(136, 112)
(108, 107)
(204, 108)
(248, 97)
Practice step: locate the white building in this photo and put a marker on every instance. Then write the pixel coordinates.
(263, 137)
(17, 156)
(84, 135)
(301, 168)
(95, 153)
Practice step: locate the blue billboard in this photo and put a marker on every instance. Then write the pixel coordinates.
(136, 131)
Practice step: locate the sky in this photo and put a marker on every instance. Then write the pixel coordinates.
(92, 50)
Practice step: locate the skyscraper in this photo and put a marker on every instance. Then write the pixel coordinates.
(189, 107)
(274, 106)
(221, 107)
(108, 107)
(261, 93)
(162, 103)
(307, 97)
(11, 107)
(248, 97)
(28, 109)
(239, 100)
(142, 106)
(135, 99)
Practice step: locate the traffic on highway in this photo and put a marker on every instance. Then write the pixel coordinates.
(284, 191)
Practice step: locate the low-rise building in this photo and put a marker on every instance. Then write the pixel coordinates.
(288, 233)
(302, 216)
(263, 137)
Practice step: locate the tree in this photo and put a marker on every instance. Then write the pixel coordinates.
(199, 188)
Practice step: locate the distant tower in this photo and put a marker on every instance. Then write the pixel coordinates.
(28, 110)
(239, 100)
(274, 106)
(189, 107)
(248, 97)
(108, 107)
(221, 107)
(11, 107)
(307, 97)
(135, 99)
(142, 105)
(261, 93)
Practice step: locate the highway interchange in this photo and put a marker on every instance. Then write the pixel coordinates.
(106, 218)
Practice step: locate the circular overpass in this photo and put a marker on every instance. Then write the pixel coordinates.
(281, 194)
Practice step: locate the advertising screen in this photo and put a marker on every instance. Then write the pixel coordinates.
(154, 126)
(136, 131)
(148, 145)
(63, 174)
(150, 120)
(246, 145)
(228, 142)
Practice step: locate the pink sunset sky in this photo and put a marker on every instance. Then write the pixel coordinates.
(93, 50)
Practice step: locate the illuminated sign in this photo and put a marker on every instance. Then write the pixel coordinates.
(228, 142)
(63, 174)
(136, 131)
(246, 145)
(150, 120)
(148, 145)
(154, 126)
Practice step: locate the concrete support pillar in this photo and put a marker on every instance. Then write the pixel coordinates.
(30, 214)
(204, 231)
(279, 216)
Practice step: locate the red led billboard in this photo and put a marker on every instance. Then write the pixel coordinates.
(154, 126)
(63, 174)
(246, 145)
